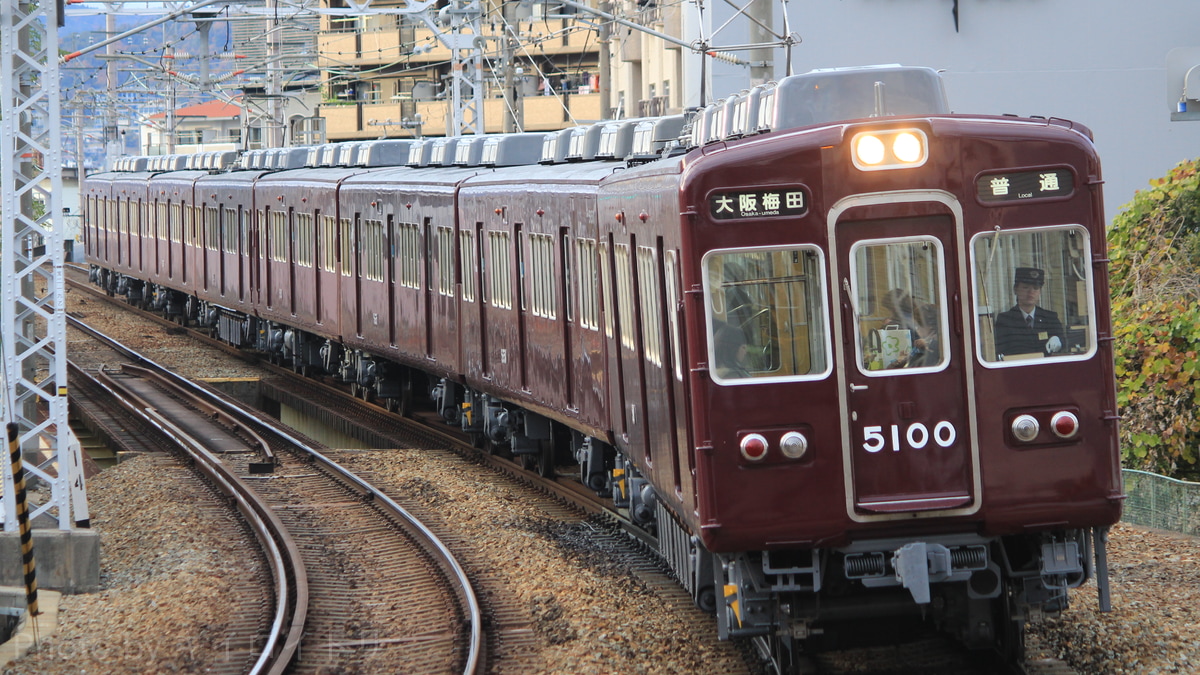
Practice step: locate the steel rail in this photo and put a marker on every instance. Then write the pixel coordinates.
(445, 556)
(291, 590)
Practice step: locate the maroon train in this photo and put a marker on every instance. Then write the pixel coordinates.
(783, 341)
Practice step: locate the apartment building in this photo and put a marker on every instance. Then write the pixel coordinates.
(389, 75)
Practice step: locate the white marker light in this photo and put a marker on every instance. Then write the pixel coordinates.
(793, 445)
(1025, 428)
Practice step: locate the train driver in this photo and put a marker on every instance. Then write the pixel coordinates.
(1028, 329)
(731, 352)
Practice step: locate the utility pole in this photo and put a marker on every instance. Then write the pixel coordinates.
(112, 133)
(514, 117)
(605, 67)
(761, 58)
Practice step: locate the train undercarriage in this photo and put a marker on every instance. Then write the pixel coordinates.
(980, 590)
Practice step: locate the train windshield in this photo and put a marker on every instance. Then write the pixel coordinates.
(900, 303)
(766, 314)
(1033, 296)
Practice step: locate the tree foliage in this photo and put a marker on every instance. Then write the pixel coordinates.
(1154, 245)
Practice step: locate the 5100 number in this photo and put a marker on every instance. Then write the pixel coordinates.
(917, 435)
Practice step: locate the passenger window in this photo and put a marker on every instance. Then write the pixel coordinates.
(766, 314)
(899, 304)
(1033, 295)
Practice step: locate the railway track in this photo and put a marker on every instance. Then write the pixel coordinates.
(577, 510)
(357, 581)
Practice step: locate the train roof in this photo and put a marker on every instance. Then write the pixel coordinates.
(815, 98)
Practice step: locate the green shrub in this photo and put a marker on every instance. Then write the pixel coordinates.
(1154, 245)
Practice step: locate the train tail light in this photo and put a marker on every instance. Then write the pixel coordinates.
(754, 447)
(793, 445)
(1064, 424)
(1025, 428)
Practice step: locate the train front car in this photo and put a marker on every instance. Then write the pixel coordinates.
(903, 400)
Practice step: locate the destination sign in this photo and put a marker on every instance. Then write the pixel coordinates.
(765, 203)
(1021, 185)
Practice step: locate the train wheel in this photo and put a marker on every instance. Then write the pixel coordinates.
(543, 461)
(1009, 630)
(405, 402)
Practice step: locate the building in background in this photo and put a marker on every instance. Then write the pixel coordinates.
(388, 75)
(1102, 63)
(206, 127)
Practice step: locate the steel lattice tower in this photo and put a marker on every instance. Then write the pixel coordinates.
(33, 319)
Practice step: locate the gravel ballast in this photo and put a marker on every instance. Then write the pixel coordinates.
(162, 577)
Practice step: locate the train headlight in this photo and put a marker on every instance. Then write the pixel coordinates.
(1025, 428)
(1064, 424)
(754, 447)
(868, 150)
(907, 147)
(793, 445)
(890, 149)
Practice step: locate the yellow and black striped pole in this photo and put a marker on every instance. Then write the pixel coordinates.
(18, 472)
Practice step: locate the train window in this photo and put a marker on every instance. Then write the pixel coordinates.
(212, 231)
(650, 304)
(446, 261)
(176, 223)
(408, 255)
(672, 277)
(467, 257)
(328, 231)
(900, 305)
(304, 239)
(161, 225)
(624, 278)
(243, 229)
(197, 223)
(372, 249)
(541, 253)
(500, 277)
(229, 233)
(1033, 296)
(589, 285)
(346, 246)
(766, 314)
(279, 238)
(565, 252)
(606, 286)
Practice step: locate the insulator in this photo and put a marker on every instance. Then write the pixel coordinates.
(225, 56)
(727, 57)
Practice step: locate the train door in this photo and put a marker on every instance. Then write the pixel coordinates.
(318, 267)
(480, 269)
(566, 278)
(522, 342)
(242, 251)
(258, 220)
(350, 237)
(290, 259)
(389, 270)
(911, 442)
(428, 244)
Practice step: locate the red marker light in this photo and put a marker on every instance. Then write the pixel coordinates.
(1064, 424)
(754, 447)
